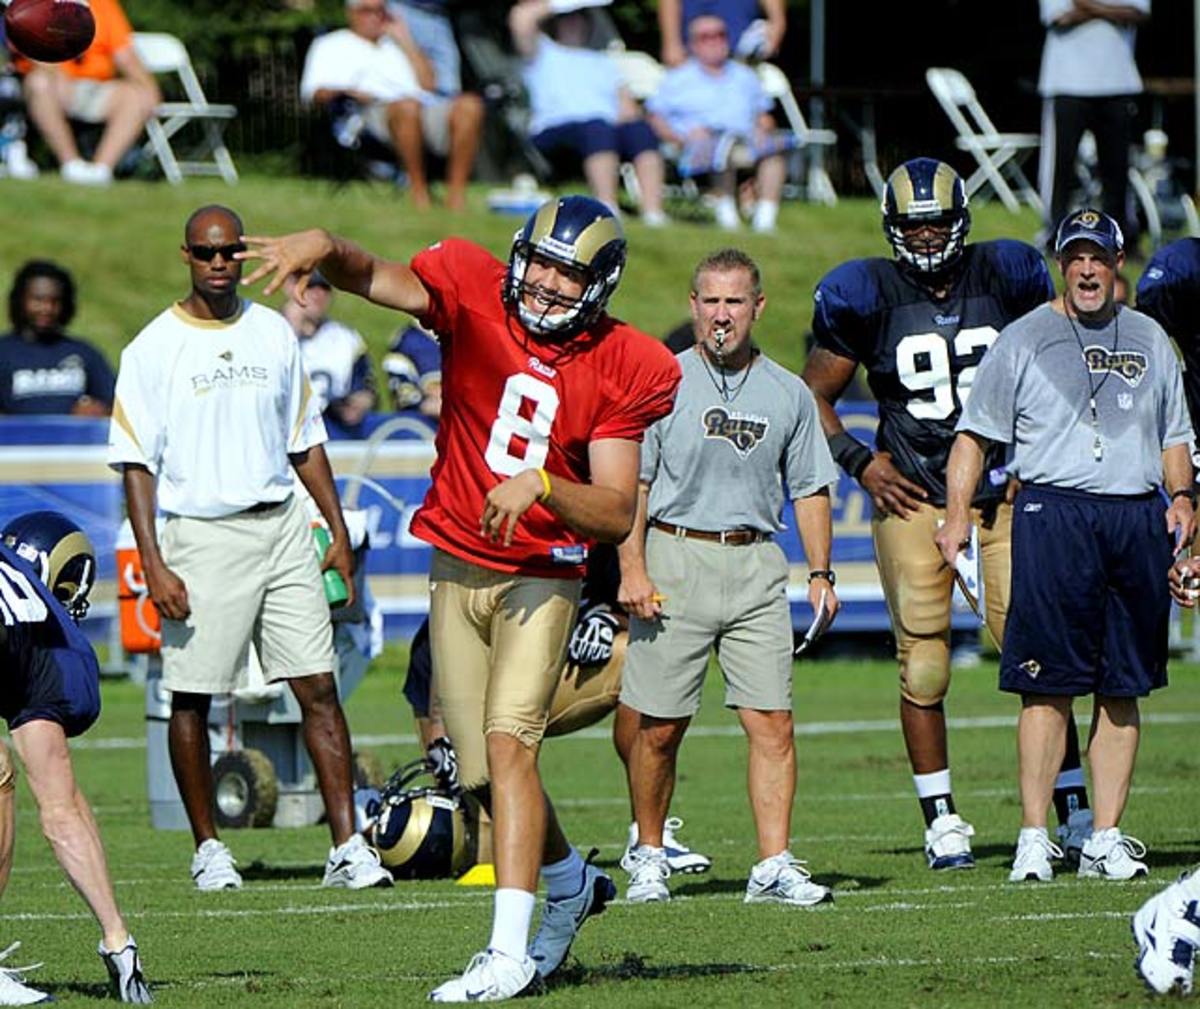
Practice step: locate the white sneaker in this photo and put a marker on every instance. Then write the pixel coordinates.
(562, 919)
(128, 984)
(681, 858)
(1167, 931)
(727, 214)
(648, 875)
(13, 990)
(1073, 835)
(213, 867)
(354, 865)
(86, 173)
(948, 843)
(1032, 860)
(784, 879)
(491, 976)
(1109, 854)
(17, 164)
(655, 219)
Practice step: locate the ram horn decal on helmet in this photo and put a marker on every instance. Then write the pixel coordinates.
(59, 551)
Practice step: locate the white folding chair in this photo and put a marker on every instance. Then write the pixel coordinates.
(640, 72)
(819, 186)
(999, 155)
(164, 54)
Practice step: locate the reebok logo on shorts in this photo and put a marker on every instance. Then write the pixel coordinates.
(1033, 506)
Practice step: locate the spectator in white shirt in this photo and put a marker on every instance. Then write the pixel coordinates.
(375, 68)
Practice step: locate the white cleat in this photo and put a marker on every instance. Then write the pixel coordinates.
(13, 989)
(1167, 931)
(1109, 854)
(354, 865)
(784, 879)
(648, 877)
(681, 858)
(1032, 860)
(1073, 835)
(948, 843)
(491, 976)
(213, 867)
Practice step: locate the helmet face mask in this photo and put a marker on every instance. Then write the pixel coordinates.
(581, 238)
(925, 216)
(59, 552)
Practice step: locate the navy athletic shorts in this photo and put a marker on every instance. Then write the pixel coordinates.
(1090, 600)
(595, 136)
(59, 685)
(419, 681)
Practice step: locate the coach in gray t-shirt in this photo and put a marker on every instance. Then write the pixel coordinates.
(744, 434)
(1090, 397)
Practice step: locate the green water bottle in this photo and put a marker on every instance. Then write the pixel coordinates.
(336, 592)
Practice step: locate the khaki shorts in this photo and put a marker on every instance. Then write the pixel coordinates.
(499, 643)
(730, 597)
(253, 576)
(435, 124)
(88, 101)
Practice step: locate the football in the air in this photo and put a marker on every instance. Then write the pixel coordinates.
(49, 31)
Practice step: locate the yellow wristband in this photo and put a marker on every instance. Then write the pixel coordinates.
(545, 496)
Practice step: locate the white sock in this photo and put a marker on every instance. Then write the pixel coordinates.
(937, 783)
(564, 878)
(511, 915)
(766, 213)
(1070, 779)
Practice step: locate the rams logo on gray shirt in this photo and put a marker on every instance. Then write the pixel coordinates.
(1130, 365)
(743, 431)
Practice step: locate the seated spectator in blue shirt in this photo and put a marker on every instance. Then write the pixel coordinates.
(579, 105)
(335, 357)
(715, 109)
(42, 370)
(413, 365)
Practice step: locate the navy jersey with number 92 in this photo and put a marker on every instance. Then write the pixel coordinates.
(921, 354)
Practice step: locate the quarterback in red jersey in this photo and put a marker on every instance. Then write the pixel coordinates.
(545, 400)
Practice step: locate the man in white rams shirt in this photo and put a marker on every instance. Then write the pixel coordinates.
(213, 412)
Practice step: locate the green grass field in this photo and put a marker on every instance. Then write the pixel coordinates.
(896, 935)
(122, 246)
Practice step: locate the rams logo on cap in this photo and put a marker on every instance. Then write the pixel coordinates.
(1087, 219)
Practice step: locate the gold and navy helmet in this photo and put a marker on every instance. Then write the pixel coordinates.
(577, 232)
(926, 191)
(420, 832)
(59, 551)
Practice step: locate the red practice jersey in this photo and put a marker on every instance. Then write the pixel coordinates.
(510, 403)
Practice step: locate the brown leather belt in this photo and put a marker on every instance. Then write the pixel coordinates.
(726, 537)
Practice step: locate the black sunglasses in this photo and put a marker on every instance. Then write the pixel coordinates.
(207, 253)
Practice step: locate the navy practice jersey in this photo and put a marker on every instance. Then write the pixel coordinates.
(1169, 292)
(50, 667)
(921, 354)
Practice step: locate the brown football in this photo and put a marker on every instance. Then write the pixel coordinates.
(49, 31)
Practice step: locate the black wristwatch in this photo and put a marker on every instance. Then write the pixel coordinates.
(829, 576)
(1186, 492)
